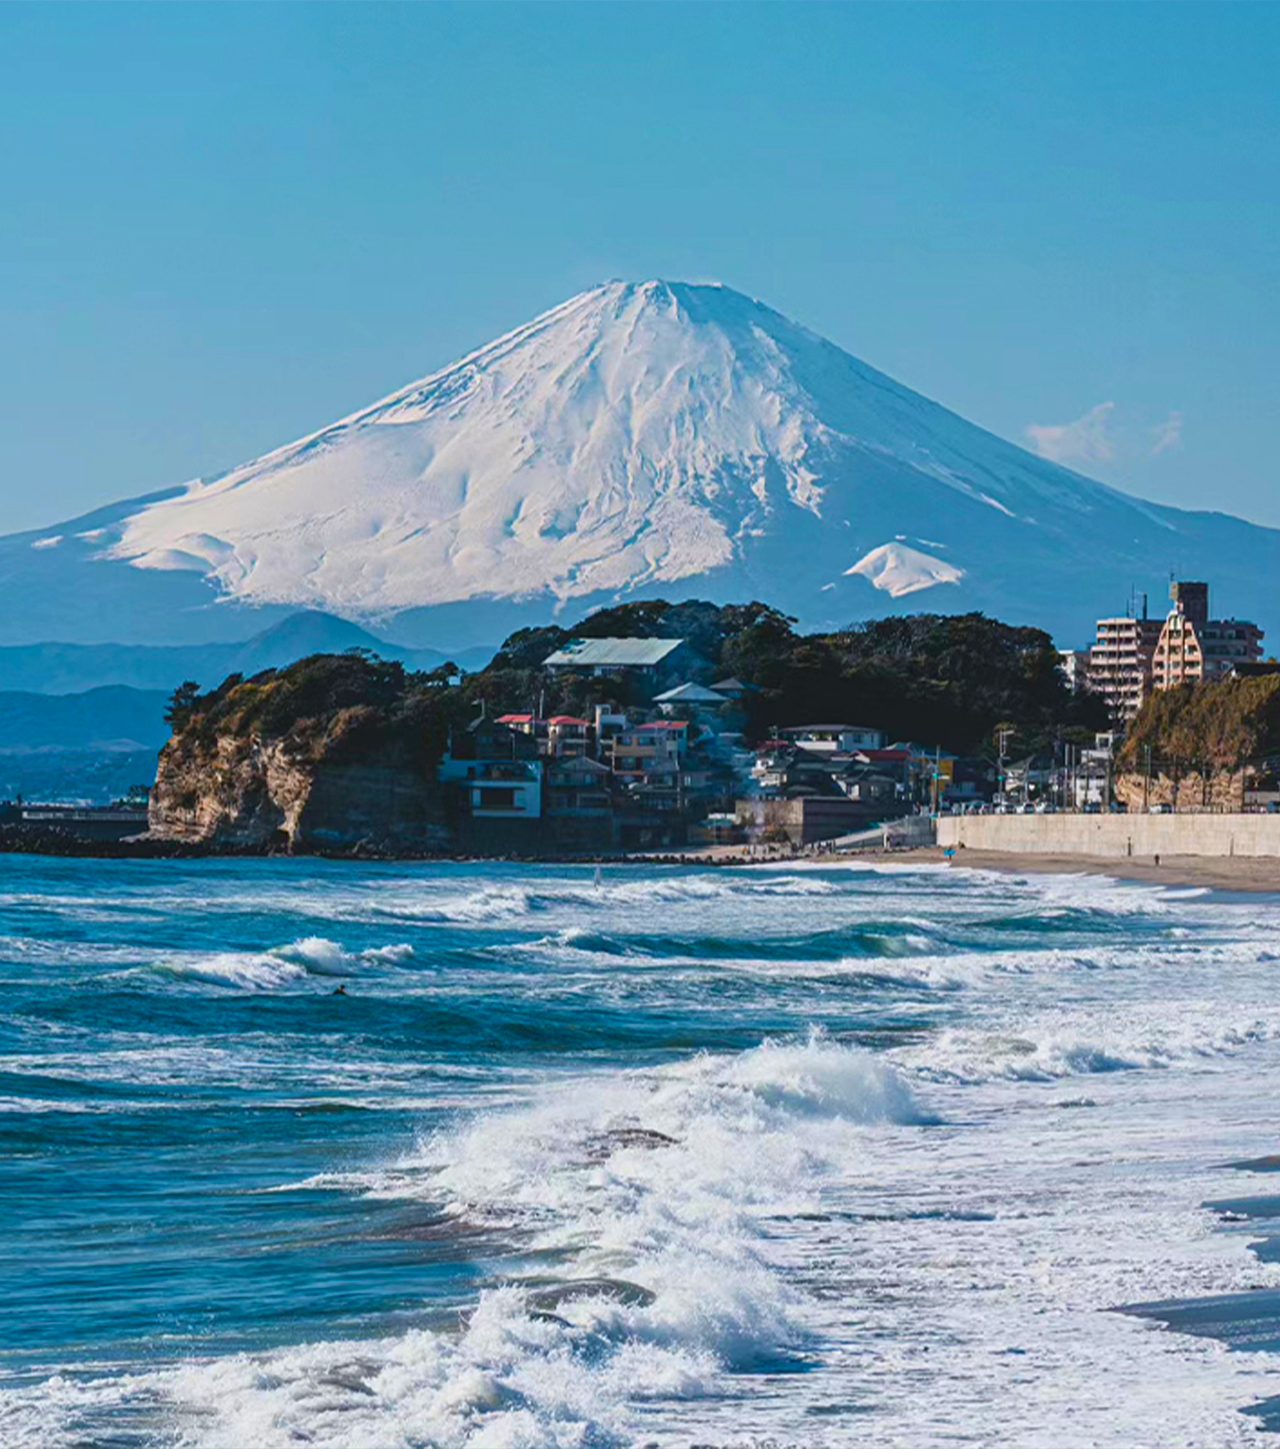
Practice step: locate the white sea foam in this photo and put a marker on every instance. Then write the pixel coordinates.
(1046, 1042)
(621, 889)
(251, 971)
(925, 1232)
(655, 1191)
(37, 1106)
(282, 966)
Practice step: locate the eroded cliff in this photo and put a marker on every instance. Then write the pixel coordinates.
(336, 752)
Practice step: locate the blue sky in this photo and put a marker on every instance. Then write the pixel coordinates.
(223, 226)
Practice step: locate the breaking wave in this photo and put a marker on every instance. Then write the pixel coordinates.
(282, 966)
(644, 1267)
(495, 903)
(573, 1174)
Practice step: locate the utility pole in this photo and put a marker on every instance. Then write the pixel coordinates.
(1002, 738)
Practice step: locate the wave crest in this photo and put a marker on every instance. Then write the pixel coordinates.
(282, 966)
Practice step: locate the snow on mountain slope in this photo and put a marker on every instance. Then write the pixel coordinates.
(618, 440)
(657, 438)
(900, 570)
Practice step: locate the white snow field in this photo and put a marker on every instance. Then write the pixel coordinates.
(640, 439)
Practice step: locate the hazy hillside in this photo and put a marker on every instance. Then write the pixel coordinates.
(67, 668)
(113, 717)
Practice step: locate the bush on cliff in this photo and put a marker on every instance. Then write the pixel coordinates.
(1205, 728)
(335, 708)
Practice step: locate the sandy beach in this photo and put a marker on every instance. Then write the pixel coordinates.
(1224, 873)
(1258, 874)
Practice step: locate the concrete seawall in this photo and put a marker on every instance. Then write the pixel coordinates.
(1115, 835)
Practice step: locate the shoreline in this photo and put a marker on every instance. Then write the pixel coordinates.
(1253, 874)
(1239, 873)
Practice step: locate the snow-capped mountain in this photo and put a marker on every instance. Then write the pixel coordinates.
(659, 438)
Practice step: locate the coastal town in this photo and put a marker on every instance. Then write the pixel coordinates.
(685, 772)
(667, 747)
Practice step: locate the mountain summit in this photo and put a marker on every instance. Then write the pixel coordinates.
(654, 438)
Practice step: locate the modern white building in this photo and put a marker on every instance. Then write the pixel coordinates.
(497, 789)
(834, 738)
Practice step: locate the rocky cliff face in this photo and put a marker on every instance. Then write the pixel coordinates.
(334, 753)
(1223, 790)
(235, 793)
(253, 794)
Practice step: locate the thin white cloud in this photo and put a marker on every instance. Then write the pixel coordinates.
(1084, 441)
(1167, 436)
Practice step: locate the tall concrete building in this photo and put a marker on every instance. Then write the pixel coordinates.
(1120, 662)
(1192, 647)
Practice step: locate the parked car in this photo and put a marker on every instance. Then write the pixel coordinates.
(1159, 809)
(1092, 807)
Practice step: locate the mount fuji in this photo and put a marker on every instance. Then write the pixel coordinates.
(638, 440)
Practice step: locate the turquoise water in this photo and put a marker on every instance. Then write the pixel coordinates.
(296, 1152)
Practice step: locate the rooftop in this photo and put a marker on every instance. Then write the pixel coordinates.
(577, 764)
(690, 694)
(806, 729)
(613, 653)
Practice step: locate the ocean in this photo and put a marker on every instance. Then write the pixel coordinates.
(378, 1156)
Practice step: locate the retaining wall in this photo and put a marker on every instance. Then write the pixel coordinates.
(1115, 835)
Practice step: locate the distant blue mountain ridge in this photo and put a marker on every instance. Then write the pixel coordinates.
(59, 668)
(86, 721)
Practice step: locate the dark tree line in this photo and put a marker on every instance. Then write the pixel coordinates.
(949, 680)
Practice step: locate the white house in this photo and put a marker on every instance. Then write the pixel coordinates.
(834, 738)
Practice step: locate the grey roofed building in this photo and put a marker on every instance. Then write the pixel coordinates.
(605, 655)
(691, 694)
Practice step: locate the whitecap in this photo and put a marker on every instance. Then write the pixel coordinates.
(282, 966)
